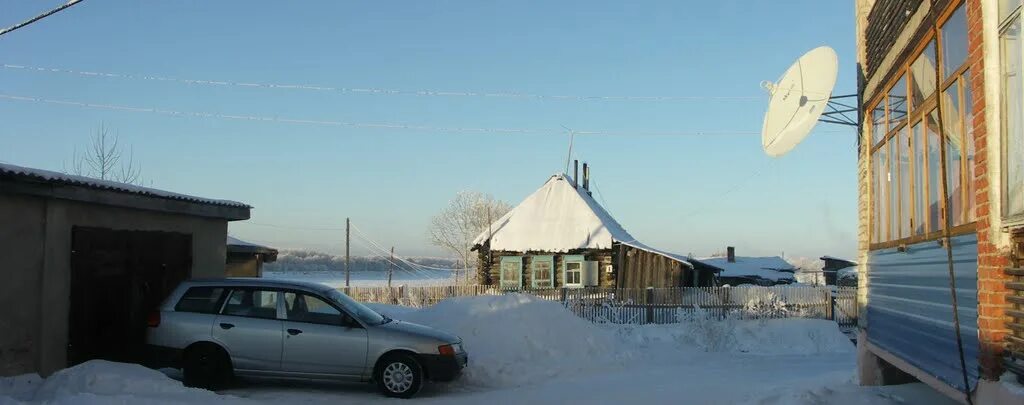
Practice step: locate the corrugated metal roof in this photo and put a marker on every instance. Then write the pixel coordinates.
(40, 175)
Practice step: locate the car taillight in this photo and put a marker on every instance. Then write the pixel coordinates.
(153, 320)
(446, 350)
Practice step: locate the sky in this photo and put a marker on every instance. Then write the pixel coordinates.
(685, 174)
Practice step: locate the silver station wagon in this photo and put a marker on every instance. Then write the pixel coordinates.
(217, 329)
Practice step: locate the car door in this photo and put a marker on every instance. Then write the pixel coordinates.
(248, 326)
(321, 340)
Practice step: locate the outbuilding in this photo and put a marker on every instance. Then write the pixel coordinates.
(245, 259)
(86, 260)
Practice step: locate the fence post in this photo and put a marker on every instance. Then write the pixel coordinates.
(649, 300)
(832, 306)
(564, 291)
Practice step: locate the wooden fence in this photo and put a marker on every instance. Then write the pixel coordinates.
(651, 305)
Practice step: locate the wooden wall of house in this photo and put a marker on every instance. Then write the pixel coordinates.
(489, 269)
(642, 269)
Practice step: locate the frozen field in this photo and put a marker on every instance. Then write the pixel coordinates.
(525, 350)
(368, 278)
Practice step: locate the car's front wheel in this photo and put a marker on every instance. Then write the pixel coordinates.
(399, 376)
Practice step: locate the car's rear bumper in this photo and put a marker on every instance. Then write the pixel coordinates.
(444, 368)
(161, 357)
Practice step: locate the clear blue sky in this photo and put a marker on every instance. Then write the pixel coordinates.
(689, 194)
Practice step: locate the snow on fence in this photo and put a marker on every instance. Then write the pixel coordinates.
(651, 305)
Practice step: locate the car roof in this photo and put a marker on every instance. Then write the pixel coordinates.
(258, 282)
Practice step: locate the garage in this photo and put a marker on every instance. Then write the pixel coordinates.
(86, 260)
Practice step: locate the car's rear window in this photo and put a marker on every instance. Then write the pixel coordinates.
(204, 300)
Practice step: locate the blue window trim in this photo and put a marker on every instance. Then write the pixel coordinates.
(501, 270)
(572, 259)
(533, 270)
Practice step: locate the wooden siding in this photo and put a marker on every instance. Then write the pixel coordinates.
(491, 269)
(641, 269)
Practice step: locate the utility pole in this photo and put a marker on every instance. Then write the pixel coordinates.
(347, 245)
(391, 268)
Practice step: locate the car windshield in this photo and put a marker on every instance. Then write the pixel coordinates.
(357, 310)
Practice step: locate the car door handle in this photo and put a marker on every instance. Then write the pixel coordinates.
(227, 325)
(294, 332)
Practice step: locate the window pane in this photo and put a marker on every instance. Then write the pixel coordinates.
(968, 107)
(905, 180)
(204, 300)
(252, 303)
(1012, 108)
(883, 193)
(898, 103)
(878, 123)
(1006, 7)
(953, 127)
(875, 198)
(307, 308)
(894, 190)
(934, 175)
(510, 273)
(920, 198)
(954, 42)
(542, 272)
(923, 74)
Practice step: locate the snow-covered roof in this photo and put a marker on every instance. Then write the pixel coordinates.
(82, 181)
(558, 217)
(770, 268)
(237, 245)
(827, 257)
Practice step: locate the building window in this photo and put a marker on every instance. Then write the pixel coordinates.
(542, 267)
(1012, 110)
(511, 272)
(907, 149)
(572, 267)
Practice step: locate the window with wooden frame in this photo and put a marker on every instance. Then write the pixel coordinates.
(511, 272)
(1012, 108)
(907, 152)
(542, 271)
(572, 270)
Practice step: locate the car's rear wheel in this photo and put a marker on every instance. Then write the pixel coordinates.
(399, 376)
(206, 366)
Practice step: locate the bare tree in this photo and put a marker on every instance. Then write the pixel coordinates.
(105, 159)
(465, 217)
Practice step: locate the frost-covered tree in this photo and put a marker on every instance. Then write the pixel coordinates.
(105, 159)
(465, 217)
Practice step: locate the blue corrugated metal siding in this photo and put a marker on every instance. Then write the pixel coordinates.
(910, 313)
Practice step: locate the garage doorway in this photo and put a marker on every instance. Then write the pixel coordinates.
(117, 278)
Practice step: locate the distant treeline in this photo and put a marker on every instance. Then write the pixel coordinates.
(305, 260)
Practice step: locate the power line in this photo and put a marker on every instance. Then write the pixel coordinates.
(39, 17)
(377, 91)
(384, 125)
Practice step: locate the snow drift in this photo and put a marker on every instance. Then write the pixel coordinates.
(104, 382)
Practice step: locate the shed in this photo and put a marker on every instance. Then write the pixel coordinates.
(87, 259)
(245, 259)
(764, 271)
(832, 267)
(559, 236)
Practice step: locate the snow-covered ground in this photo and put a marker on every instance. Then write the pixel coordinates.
(526, 350)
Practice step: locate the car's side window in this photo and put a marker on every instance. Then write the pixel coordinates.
(203, 300)
(252, 303)
(307, 308)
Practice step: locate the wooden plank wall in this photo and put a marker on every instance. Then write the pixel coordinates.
(642, 269)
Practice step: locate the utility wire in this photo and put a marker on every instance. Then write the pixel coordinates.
(384, 125)
(376, 91)
(39, 17)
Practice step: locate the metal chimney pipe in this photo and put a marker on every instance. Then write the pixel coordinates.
(576, 173)
(730, 254)
(586, 176)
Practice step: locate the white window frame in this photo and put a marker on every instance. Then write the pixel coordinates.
(577, 259)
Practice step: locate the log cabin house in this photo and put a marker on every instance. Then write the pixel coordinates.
(560, 236)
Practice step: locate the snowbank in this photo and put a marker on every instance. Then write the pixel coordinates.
(104, 382)
(517, 339)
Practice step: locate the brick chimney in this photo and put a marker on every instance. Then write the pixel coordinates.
(730, 254)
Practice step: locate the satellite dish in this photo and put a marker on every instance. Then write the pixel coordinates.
(798, 100)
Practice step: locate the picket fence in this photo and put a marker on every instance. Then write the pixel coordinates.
(650, 305)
